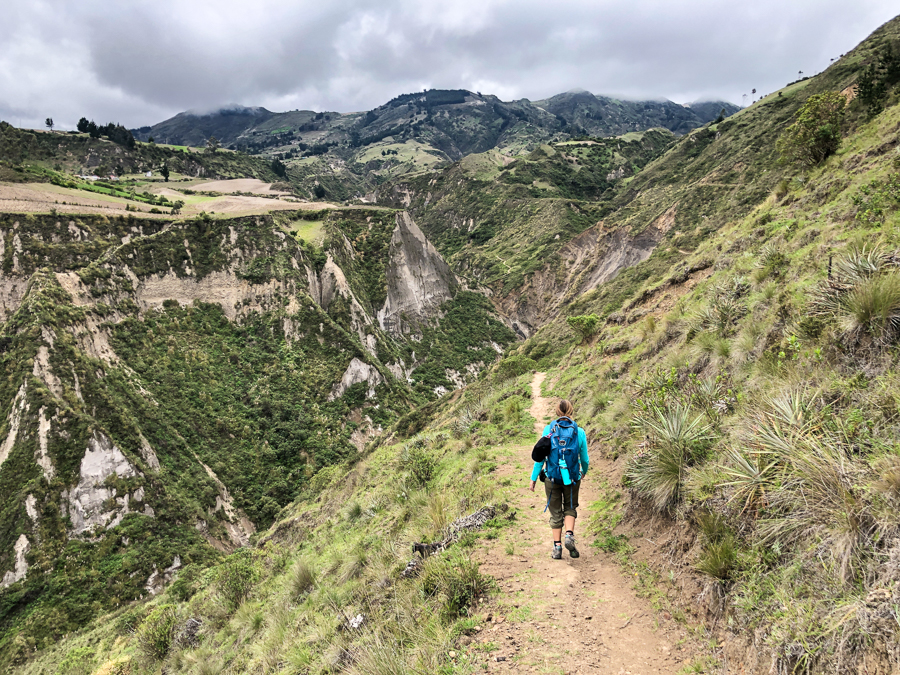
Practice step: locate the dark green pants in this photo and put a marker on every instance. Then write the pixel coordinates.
(562, 500)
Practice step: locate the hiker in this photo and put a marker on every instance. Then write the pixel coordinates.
(561, 462)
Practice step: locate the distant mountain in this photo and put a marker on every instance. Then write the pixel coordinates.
(450, 123)
(192, 128)
(604, 116)
(710, 110)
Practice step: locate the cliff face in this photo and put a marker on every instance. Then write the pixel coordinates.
(419, 281)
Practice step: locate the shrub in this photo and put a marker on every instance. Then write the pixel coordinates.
(816, 135)
(79, 661)
(863, 294)
(186, 583)
(717, 559)
(585, 326)
(353, 511)
(771, 261)
(875, 200)
(155, 634)
(515, 365)
(675, 438)
(718, 554)
(873, 307)
(512, 410)
(236, 578)
(419, 464)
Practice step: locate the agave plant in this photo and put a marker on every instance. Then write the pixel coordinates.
(752, 477)
(862, 294)
(675, 435)
(821, 496)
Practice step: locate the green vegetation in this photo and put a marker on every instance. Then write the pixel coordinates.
(816, 135)
(585, 326)
(24, 152)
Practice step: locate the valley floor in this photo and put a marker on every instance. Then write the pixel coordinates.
(573, 616)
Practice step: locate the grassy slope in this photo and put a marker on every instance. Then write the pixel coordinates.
(79, 153)
(284, 605)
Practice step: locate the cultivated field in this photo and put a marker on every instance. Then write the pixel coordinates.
(44, 197)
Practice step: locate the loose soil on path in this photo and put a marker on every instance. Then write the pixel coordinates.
(571, 615)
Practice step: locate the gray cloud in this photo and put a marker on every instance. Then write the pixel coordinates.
(141, 61)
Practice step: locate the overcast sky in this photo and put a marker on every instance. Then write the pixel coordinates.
(138, 62)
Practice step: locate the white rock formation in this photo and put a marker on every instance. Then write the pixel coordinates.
(21, 569)
(224, 288)
(358, 371)
(43, 456)
(156, 582)
(31, 508)
(148, 454)
(418, 279)
(87, 500)
(19, 406)
(41, 370)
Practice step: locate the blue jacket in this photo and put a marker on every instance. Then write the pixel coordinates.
(582, 453)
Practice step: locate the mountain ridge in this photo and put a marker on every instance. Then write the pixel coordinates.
(236, 125)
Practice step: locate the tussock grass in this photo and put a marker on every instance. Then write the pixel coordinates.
(302, 579)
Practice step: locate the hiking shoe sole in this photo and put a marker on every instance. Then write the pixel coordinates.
(570, 544)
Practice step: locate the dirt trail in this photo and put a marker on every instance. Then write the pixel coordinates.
(571, 615)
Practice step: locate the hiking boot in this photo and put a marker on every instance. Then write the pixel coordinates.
(557, 552)
(570, 544)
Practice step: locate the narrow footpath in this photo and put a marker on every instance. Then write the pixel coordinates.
(575, 616)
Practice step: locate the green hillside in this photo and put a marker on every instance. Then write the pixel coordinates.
(75, 153)
(500, 221)
(349, 154)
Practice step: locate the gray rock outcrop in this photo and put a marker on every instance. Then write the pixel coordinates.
(358, 371)
(21, 569)
(88, 501)
(419, 281)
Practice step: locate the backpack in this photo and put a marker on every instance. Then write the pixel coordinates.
(563, 464)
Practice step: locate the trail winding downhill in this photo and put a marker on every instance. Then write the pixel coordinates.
(571, 615)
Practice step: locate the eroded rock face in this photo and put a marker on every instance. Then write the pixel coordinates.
(157, 581)
(418, 279)
(224, 288)
(21, 569)
(237, 525)
(87, 501)
(358, 371)
(589, 260)
(19, 406)
(331, 284)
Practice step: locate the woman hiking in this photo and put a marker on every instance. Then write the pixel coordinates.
(561, 461)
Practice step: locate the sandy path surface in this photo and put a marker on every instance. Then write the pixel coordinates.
(571, 615)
